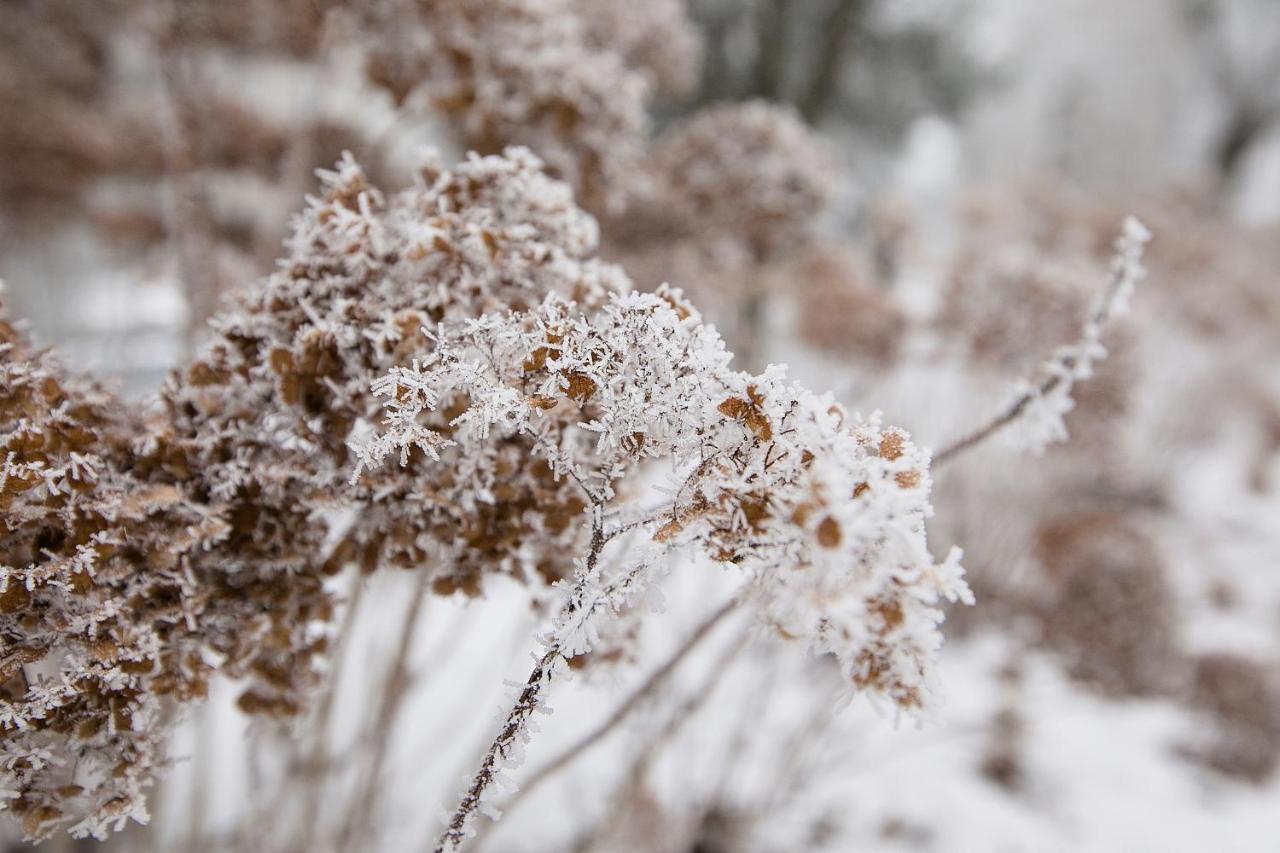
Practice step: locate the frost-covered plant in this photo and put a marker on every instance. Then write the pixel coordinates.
(749, 173)
(656, 38)
(1242, 698)
(94, 607)
(726, 202)
(265, 412)
(56, 132)
(1040, 404)
(1028, 285)
(1107, 605)
(533, 72)
(842, 311)
(143, 552)
(823, 513)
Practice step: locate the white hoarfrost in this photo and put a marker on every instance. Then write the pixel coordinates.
(824, 513)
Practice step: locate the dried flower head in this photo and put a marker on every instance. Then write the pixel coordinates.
(265, 413)
(520, 71)
(656, 38)
(95, 604)
(747, 173)
(825, 512)
(142, 554)
(1243, 698)
(1109, 609)
(842, 311)
(146, 553)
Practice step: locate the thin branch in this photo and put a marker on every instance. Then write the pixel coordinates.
(394, 689)
(186, 210)
(771, 48)
(317, 764)
(824, 80)
(629, 705)
(530, 698)
(1071, 363)
(514, 728)
(676, 720)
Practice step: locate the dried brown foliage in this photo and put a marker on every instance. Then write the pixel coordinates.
(1108, 607)
(842, 311)
(140, 554)
(523, 71)
(750, 174)
(1242, 697)
(1010, 304)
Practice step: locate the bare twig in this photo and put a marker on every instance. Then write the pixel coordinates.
(1071, 363)
(393, 692)
(676, 720)
(529, 700)
(316, 764)
(771, 48)
(624, 710)
(186, 207)
(825, 78)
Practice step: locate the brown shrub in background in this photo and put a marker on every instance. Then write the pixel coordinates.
(842, 311)
(1242, 698)
(1108, 608)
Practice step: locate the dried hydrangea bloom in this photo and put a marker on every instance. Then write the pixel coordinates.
(264, 414)
(842, 311)
(76, 113)
(1197, 245)
(96, 611)
(1048, 297)
(656, 37)
(1006, 306)
(144, 553)
(294, 28)
(1108, 607)
(173, 169)
(824, 513)
(57, 133)
(751, 173)
(149, 553)
(526, 71)
(724, 205)
(1243, 698)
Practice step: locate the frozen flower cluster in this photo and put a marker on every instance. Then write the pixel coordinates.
(841, 309)
(748, 173)
(655, 38)
(1107, 604)
(145, 551)
(824, 513)
(1039, 405)
(264, 414)
(550, 74)
(726, 204)
(95, 605)
(142, 552)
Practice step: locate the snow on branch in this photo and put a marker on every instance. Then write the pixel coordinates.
(1041, 405)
